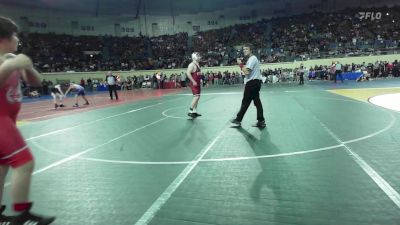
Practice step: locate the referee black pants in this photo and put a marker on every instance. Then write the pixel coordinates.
(112, 88)
(251, 93)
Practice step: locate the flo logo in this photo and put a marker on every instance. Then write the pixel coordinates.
(370, 15)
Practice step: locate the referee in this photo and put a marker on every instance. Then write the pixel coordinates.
(112, 85)
(252, 88)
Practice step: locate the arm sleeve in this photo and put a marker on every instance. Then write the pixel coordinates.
(251, 63)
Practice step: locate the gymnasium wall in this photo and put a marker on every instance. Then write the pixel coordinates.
(76, 77)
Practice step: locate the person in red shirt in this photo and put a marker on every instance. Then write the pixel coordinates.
(194, 75)
(82, 82)
(14, 152)
(389, 68)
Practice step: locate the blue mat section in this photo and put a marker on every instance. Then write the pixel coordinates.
(105, 88)
(349, 84)
(350, 76)
(48, 97)
(42, 98)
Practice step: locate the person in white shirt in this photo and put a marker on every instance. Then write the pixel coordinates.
(252, 88)
(57, 93)
(338, 69)
(301, 72)
(111, 82)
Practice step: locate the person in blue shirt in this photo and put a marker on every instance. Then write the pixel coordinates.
(80, 91)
